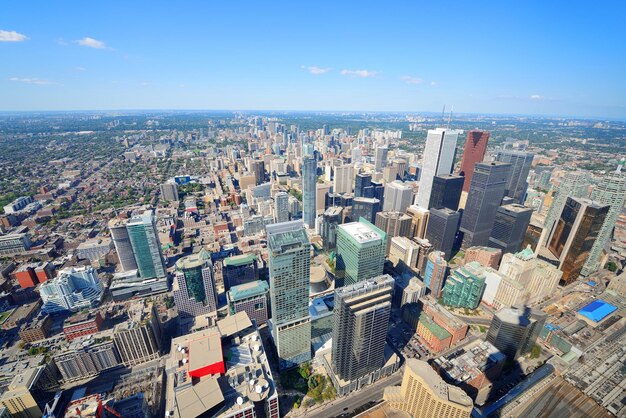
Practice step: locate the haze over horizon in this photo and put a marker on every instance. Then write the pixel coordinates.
(526, 59)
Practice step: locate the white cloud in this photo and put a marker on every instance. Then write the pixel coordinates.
(315, 70)
(91, 43)
(29, 80)
(536, 97)
(433, 83)
(80, 68)
(11, 36)
(359, 73)
(411, 80)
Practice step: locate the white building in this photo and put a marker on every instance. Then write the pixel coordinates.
(398, 196)
(74, 289)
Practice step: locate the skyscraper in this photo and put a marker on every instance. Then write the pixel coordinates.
(520, 167)
(380, 157)
(574, 184)
(486, 191)
(574, 235)
(194, 285)
(361, 181)
(344, 178)
(438, 158)
(144, 240)
(436, 273)
(465, 286)
(425, 394)
(398, 196)
(169, 191)
(446, 191)
(419, 221)
(290, 271)
(443, 226)
(611, 190)
(123, 247)
(361, 319)
(514, 331)
(309, 180)
(281, 207)
(473, 152)
(328, 227)
(509, 227)
(360, 252)
(365, 207)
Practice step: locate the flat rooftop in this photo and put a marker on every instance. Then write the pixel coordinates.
(597, 310)
(361, 232)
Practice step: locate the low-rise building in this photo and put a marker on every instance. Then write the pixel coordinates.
(250, 298)
(36, 330)
(82, 324)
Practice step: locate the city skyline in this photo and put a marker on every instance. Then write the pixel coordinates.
(257, 59)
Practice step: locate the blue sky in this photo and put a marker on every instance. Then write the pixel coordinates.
(531, 57)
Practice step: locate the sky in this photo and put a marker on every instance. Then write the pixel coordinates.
(531, 57)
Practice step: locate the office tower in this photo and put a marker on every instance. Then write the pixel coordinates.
(520, 167)
(574, 235)
(473, 152)
(239, 269)
(123, 247)
(443, 225)
(344, 179)
(24, 396)
(258, 169)
(250, 298)
(398, 196)
(309, 191)
(408, 290)
(329, 222)
(365, 207)
(419, 220)
(394, 224)
(138, 342)
(514, 331)
(375, 190)
(194, 285)
(446, 191)
(360, 252)
(574, 184)
(436, 273)
(290, 271)
(281, 207)
(169, 191)
(361, 319)
(404, 253)
(485, 256)
(82, 361)
(380, 157)
(74, 289)
(425, 248)
(509, 227)
(611, 190)
(438, 159)
(424, 394)
(144, 239)
(486, 191)
(465, 286)
(362, 181)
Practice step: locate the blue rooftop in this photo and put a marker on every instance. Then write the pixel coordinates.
(597, 310)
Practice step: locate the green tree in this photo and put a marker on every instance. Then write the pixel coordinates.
(535, 352)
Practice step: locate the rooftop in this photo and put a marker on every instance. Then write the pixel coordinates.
(246, 290)
(239, 260)
(193, 261)
(471, 363)
(362, 233)
(435, 329)
(597, 310)
(285, 236)
(440, 388)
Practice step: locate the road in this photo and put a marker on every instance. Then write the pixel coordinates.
(354, 400)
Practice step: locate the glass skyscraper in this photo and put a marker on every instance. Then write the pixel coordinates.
(520, 167)
(194, 286)
(309, 191)
(146, 246)
(360, 252)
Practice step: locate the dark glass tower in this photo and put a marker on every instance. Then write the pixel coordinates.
(446, 191)
(509, 227)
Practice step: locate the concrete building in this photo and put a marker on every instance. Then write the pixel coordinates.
(393, 224)
(123, 246)
(443, 225)
(520, 167)
(419, 220)
(250, 298)
(309, 191)
(86, 358)
(360, 252)
(36, 330)
(473, 152)
(22, 397)
(169, 191)
(404, 253)
(94, 250)
(514, 331)
(239, 269)
(344, 179)
(465, 286)
(408, 290)
(281, 207)
(485, 256)
(74, 289)
(424, 394)
(18, 204)
(380, 157)
(139, 339)
(435, 273)
(194, 286)
(398, 196)
(330, 220)
(290, 270)
(509, 227)
(12, 244)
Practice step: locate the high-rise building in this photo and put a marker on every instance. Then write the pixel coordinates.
(394, 224)
(446, 191)
(360, 252)
(123, 247)
(74, 289)
(329, 222)
(404, 253)
(438, 158)
(419, 221)
(398, 196)
(169, 191)
(250, 298)
(425, 248)
(375, 190)
(486, 191)
(520, 167)
(309, 181)
(344, 179)
(239, 269)
(485, 256)
(194, 285)
(424, 394)
(258, 169)
(611, 190)
(436, 273)
(465, 286)
(574, 184)
(443, 225)
(574, 235)
(361, 318)
(365, 207)
(380, 157)
(509, 227)
(514, 331)
(362, 181)
(473, 152)
(281, 207)
(290, 271)
(144, 239)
